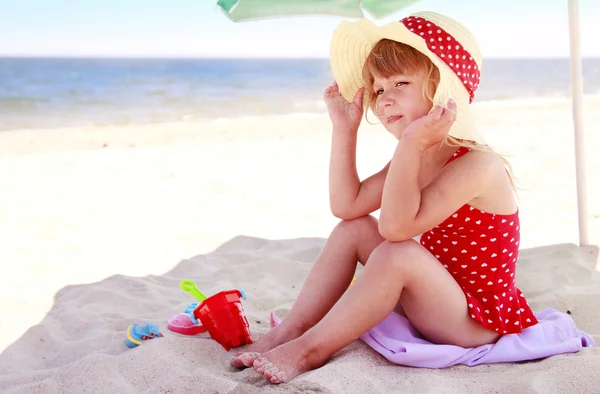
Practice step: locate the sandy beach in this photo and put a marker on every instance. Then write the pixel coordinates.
(100, 224)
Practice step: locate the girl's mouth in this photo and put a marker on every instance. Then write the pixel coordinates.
(393, 119)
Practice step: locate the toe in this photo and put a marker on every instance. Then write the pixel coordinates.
(279, 377)
(261, 364)
(244, 360)
(248, 358)
(270, 372)
(236, 362)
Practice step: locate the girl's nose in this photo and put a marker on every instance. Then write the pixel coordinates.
(385, 99)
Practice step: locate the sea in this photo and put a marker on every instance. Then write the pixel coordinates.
(65, 92)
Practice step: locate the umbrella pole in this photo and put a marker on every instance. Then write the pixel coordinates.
(577, 86)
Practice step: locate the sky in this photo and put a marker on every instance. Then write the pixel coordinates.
(198, 28)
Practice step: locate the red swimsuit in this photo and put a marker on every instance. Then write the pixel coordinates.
(480, 250)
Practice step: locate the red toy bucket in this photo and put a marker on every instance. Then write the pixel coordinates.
(223, 317)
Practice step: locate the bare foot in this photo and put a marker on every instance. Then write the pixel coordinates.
(285, 362)
(277, 336)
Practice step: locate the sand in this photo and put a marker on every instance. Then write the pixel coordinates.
(100, 224)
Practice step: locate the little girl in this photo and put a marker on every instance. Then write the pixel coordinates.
(456, 284)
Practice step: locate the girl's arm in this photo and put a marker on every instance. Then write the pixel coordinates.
(349, 198)
(408, 211)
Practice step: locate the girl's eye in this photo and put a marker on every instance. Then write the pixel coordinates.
(398, 84)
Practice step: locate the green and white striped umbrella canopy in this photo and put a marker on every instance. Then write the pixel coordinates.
(242, 10)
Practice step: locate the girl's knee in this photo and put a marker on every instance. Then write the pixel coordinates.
(398, 254)
(358, 226)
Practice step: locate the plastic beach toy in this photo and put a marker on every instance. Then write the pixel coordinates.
(182, 323)
(221, 315)
(137, 334)
(186, 323)
(190, 311)
(190, 287)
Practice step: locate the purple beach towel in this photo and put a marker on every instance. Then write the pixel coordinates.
(398, 341)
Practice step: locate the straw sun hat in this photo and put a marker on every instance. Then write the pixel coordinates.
(447, 43)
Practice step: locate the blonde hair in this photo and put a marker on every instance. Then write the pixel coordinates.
(388, 58)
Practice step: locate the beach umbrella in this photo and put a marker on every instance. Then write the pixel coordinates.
(243, 10)
(577, 88)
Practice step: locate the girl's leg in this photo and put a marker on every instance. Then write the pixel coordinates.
(433, 301)
(330, 276)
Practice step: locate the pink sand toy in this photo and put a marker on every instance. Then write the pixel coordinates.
(221, 315)
(186, 323)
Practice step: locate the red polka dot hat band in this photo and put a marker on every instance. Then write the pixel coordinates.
(448, 49)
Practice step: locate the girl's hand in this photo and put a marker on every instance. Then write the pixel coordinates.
(343, 114)
(431, 128)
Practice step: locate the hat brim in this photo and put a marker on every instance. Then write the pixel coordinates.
(351, 44)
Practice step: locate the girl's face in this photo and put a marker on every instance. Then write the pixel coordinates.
(399, 101)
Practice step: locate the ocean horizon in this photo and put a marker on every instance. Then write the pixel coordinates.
(52, 92)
